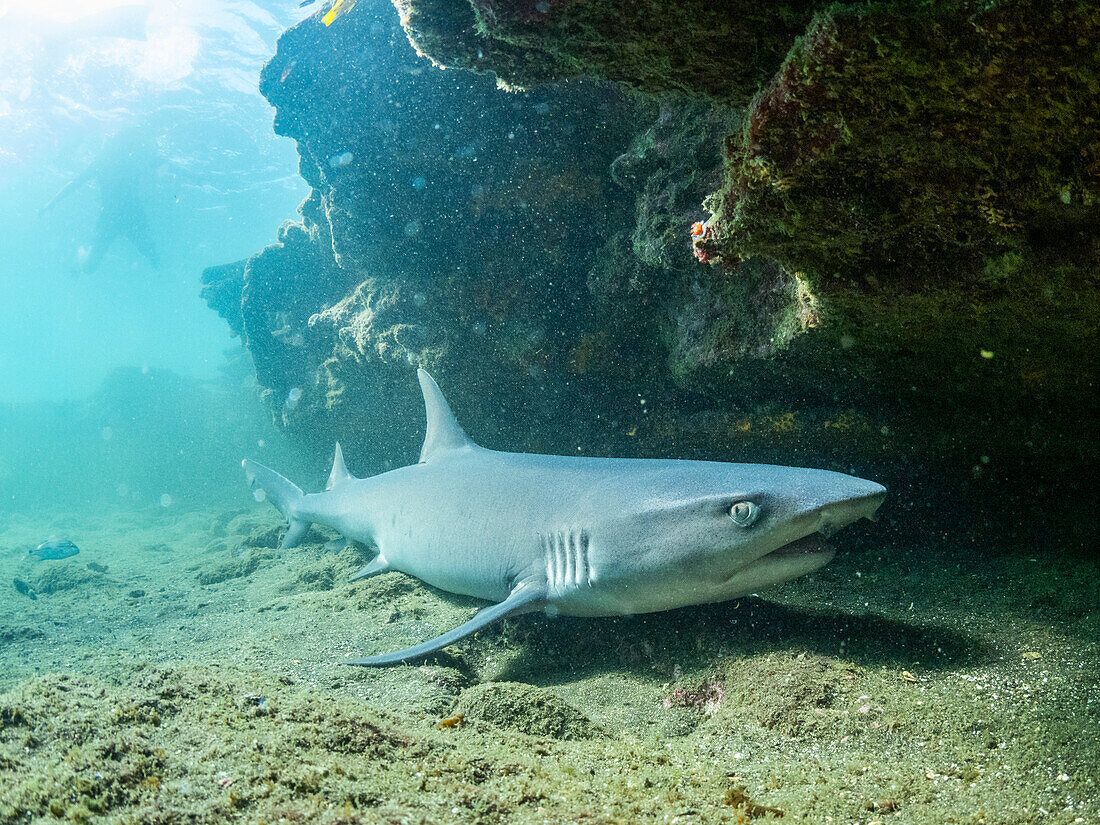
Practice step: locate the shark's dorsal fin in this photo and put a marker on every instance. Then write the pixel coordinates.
(442, 433)
(339, 472)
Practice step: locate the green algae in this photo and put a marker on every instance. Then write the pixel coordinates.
(911, 140)
(527, 709)
(716, 51)
(235, 568)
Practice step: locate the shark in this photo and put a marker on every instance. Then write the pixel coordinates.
(573, 535)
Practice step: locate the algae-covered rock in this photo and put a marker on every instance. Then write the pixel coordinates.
(56, 578)
(912, 141)
(525, 708)
(714, 50)
(237, 567)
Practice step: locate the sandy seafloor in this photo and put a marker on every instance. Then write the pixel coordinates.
(197, 680)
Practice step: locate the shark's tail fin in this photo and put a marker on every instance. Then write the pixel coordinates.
(284, 494)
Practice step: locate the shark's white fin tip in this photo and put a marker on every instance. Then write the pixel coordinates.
(339, 472)
(443, 431)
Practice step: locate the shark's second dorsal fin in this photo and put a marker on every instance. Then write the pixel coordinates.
(442, 433)
(339, 472)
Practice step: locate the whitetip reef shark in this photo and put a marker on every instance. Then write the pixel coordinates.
(573, 535)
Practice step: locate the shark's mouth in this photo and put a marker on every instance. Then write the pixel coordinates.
(811, 545)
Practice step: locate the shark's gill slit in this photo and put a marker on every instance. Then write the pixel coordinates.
(567, 561)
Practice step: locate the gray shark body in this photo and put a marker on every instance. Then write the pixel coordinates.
(573, 535)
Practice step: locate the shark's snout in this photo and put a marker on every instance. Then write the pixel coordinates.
(835, 515)
(800, 539)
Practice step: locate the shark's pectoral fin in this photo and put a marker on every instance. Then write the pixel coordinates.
(375, 568)
(336, 545)
(524, 598)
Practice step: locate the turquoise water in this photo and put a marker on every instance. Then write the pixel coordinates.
(212, 184)
(117, 384)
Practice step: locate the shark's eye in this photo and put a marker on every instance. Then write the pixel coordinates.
(744, 513)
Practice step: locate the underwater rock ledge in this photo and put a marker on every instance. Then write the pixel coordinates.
(534, 250)
(713, 50)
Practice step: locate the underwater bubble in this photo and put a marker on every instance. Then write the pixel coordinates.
(341, 160)
(419, 182)
(166, 500)
(420, 299)
(107, 433)
(478, 328)
(412, 228)
(259, 495)
(542, 108)
(292, 398)
(261, 443)
(82, 255)
(123, 490)
(542, 6)
(847, 342)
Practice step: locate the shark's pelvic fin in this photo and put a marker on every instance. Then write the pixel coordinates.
(443, 432)
(524, 598)
(339, 472)
(375, 568)
(284, 494)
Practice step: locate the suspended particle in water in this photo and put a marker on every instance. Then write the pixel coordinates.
(420, 299)
(261, 443)
(542, 108)
(107, 433)
(477, 191)
(293, 397)
(412, 228)
(478, 328)
(165, 500)
(542, 6)
(419, 182)
(341, 160)
(259, 495)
